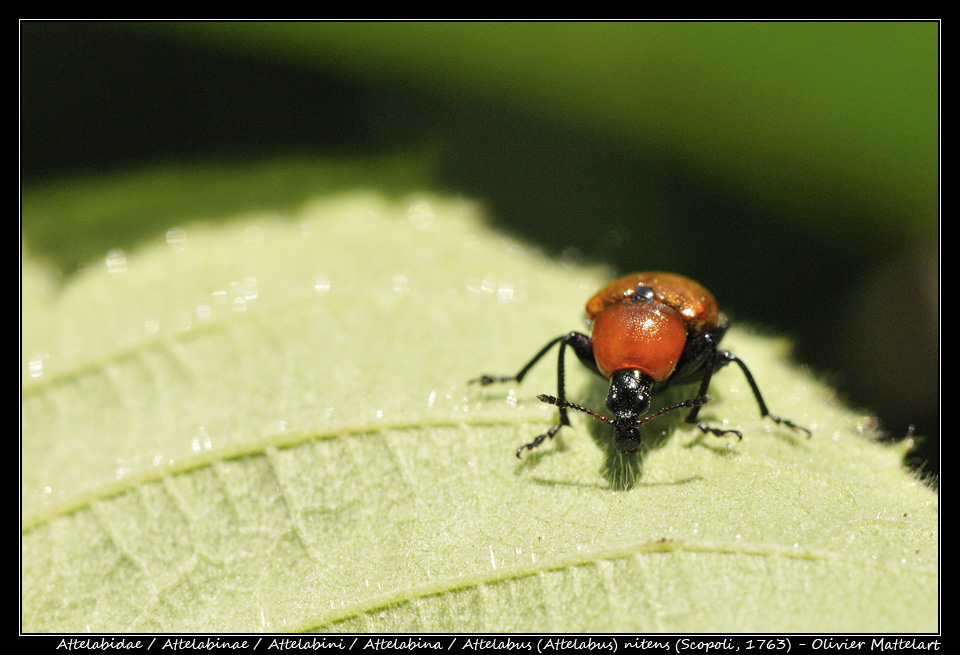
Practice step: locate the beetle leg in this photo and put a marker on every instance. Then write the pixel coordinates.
(542, 437)
(699, 349)
(724, 357)
(711, 360)
(580, 343)
(705, 427)
(584, 350)
(490, 379)
(714, 360)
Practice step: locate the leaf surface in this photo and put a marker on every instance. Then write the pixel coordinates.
(266, 425)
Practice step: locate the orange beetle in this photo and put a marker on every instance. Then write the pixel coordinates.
(649, 331)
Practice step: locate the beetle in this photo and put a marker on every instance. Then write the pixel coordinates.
(649, 331)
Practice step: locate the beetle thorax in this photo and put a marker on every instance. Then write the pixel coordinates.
(646, 336)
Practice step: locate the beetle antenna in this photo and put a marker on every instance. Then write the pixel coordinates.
(553, 400)
(692, 402)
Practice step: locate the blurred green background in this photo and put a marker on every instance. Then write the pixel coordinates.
(793, 168)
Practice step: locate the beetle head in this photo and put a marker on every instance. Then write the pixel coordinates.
(629, 400)
(629, 393)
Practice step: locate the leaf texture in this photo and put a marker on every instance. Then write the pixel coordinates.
(266, 426)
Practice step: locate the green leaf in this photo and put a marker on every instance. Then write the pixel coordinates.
(266, 425)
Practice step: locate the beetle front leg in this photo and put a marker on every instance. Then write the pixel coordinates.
(533, 445)
(710, 362)
(584, 350)
(582, 347)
